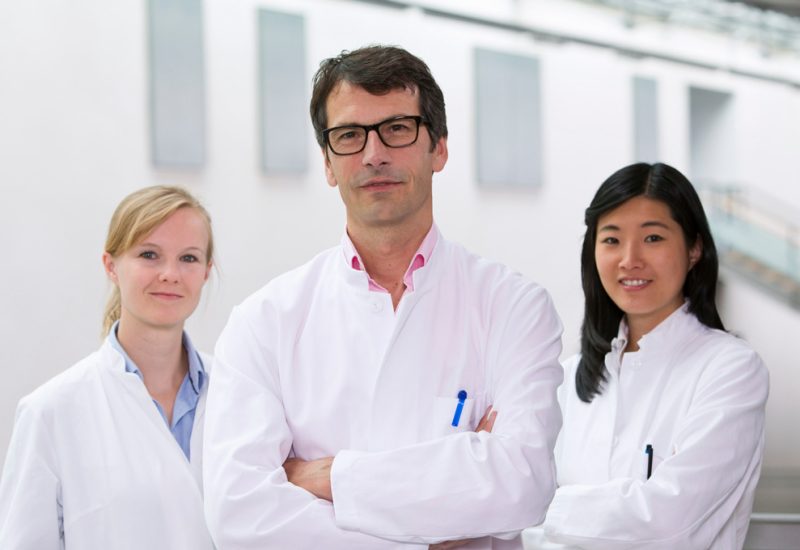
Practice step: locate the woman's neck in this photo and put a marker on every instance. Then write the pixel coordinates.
(158, 353)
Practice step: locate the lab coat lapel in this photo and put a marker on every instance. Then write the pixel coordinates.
(393, 381)
(168, 454)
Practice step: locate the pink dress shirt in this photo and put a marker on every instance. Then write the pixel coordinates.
(420, 259)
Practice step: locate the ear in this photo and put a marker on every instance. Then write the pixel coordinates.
(329, 175)
(208, 270)
(440, 155)
(110, 267)
(695, 253)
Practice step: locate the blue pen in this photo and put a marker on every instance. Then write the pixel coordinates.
(462, 396)
(648, 450)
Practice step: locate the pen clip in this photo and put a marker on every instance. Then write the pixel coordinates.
(462, 397)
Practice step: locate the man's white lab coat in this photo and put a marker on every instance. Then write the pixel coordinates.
(91, 458)
(316, 365)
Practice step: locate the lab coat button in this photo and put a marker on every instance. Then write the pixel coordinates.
(377, 307)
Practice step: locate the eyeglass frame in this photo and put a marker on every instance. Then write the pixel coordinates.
(420, 120)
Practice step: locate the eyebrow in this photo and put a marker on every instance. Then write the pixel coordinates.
(612, 227)
(347, 124)
(153, 245)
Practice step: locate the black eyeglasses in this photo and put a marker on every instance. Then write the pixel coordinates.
(399, 131)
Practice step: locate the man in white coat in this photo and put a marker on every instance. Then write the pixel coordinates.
(350, 402)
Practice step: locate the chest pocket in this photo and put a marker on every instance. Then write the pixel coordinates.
(444, 411)
(627, 462)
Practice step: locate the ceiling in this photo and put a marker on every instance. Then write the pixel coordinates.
(789, 7)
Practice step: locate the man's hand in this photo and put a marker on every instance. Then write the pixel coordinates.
(447, 545)
(487, 421)
(312, 475)
(485, 425)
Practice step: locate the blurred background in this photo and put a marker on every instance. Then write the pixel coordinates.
(545, 99)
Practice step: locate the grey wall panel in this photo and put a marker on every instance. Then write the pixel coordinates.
(508, 125)
(283, 93)
(711, 135)
(645, 120)
(177, 82)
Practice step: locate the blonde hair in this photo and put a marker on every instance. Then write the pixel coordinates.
(136, 217)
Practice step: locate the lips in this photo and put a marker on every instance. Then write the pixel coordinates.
(166, 295)
(379, 183)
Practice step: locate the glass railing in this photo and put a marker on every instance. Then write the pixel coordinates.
(758, 234)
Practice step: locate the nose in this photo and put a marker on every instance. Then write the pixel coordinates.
(375, 153)
(170, 272)
(631, 256)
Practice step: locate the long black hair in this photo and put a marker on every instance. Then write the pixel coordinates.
(602, 316)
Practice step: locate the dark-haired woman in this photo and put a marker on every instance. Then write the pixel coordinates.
(663, 410)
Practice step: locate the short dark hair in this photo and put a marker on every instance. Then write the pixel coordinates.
(379, 70)
(602, 316)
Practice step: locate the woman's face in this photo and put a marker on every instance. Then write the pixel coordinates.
(161, 277)
(642, 258)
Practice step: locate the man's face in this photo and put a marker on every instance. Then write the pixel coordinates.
(382, 186)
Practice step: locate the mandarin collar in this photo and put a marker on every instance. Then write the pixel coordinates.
(674, 329)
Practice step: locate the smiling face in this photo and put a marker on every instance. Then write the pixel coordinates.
(161, 277)
(642, 259)
(382, 186)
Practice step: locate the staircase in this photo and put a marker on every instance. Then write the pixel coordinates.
(758, 237)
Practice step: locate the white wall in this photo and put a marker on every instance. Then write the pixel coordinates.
(74, 140)
(773, 328)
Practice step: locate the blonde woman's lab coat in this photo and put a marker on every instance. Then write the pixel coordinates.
(697, 395)
(93, 466)
(317, 365)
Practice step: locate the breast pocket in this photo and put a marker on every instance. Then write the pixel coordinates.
(446, 413)
(648, 465)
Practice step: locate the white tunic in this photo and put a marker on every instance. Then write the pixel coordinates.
(316, 364)
(697, 395)
(92, 458)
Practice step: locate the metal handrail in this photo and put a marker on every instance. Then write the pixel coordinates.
(760, 208)
(738, 205)
(774, 518)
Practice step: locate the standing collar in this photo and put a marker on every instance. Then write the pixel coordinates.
(197, 372)
(420, 259)
(672, 330)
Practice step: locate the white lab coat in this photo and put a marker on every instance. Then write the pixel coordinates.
(697, 395)
(316, 364)
(92, 458)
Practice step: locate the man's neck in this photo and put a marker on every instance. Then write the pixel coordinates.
(387, 253)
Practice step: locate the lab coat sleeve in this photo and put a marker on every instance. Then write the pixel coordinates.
(30, 490)
(469, 485)
(692, 493)
(248, 500)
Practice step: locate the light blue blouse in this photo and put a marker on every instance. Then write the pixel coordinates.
(188, 394)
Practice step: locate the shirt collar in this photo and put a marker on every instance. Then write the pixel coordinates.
(674, 329)
(197, 372)
(419, 260)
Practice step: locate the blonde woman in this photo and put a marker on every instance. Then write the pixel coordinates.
(107, 454)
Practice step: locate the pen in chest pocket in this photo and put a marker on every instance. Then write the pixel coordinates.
(462, 397)
(648, 450)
